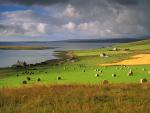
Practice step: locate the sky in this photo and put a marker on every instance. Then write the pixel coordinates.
(46, 20)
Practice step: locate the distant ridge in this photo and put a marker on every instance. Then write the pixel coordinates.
(107, 40)
(116, 40)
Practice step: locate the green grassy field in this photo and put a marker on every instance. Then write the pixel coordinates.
(79, 90)
(82, 70)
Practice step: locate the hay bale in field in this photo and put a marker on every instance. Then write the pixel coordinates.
(143, 69)
(72, 61)
(130, 73)
(114, 75)
(115, 49)
(148, 72)
(103, 55)
(105, 82)
(97, 75)
(38, 79)
(59, 78)
(97, 69)
(126, 49)
(143, 80)
(24, 82)
(28, 78)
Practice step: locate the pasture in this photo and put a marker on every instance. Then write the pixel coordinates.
(83, 68)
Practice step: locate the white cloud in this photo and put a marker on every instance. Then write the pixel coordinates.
(22, 23)
(71, 12)
(41, 28)
(69, 26)
(88, 26)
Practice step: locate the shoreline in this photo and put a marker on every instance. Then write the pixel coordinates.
(61, 57)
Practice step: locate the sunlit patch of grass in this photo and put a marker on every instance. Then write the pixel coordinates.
(126, 98)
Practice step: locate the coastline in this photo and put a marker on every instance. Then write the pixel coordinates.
(61, 57)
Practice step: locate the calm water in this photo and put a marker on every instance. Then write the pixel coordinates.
(10, 57)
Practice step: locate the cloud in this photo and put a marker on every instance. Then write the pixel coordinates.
(51, 2)
(34, 2)
(71, 12)
(22, 23)
(69, 26)
(81, 18)
(41, 28)
(87, 26)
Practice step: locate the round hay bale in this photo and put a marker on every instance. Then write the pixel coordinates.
(130, 73)
(143, 80)
(114, 75)
(105, 82)
(38, 79)
(28, 78)
(24, 82)
(143, 69)
(115, 49)
(59, 78)
(148, 72)
(97, 69)
(101, 71)
(97, 75)
(102, 54)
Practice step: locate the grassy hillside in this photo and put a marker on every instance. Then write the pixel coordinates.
(79, 90)
(81, 69)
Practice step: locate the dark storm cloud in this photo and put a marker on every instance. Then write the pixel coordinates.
(34, 2)
(126, 2)
(67, 18)
(81, 2)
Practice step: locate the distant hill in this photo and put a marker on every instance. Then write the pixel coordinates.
(116, 40)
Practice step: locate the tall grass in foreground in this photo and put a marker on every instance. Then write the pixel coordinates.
(119, 98)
